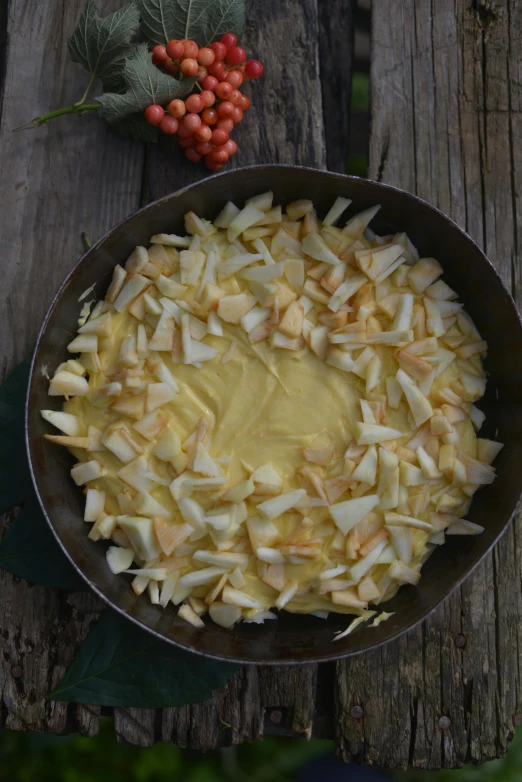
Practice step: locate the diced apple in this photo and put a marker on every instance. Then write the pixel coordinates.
(94, 504)
(152, 424)
(276, 506)
(200, 577)
(68, 384)
(356, 226)
(119, 559)
(135, 474)
(423, 274)
(370, 434)
(65, 422)
(278, 340)
(140, 531)
(349, 513)
(224, 614)
(419, 405)
(287, 593)
(86, 471)
(158, 394)
(232, 308)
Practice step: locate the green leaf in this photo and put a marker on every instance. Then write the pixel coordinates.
(15, 480)
(101, 44)
(203, 21)
(144, 84)
(28, 548)
(136, 127)
(120, 665)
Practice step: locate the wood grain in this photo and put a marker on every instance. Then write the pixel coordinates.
(57, 181)
(446, 113)
(446, 97)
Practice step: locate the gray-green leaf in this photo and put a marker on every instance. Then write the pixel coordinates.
(203, 21)
(136, 127)
(144, 84)
(101, 44)
(120, 665)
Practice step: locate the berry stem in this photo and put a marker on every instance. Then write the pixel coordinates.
(82, 100)
(75, 108)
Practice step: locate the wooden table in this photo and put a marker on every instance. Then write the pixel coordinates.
(446, 107)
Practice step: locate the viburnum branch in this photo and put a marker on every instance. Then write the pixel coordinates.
(87, 90)
(75, 108)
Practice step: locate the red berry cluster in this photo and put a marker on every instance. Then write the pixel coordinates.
(205, 119)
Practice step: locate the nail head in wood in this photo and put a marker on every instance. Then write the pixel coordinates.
(16, 671)
(460, 641)
(444, 723)
(356, 712)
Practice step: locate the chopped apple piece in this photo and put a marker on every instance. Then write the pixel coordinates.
(66, 422)
(264, 273)
(366, 471)
(254, 318)
(477, 472)
(200, 577)
(152, 424)
(423, 274)
(141, 534)
(356, 226)
(239, 598)
(464, 527)
(232, 308)
(86, 471)
(418, 403)
(262, 533)
(320, 454)
(403, 574)
(158, 394)
(292, 322)
(68, 384)
(427, 464)
(349, 513)
(338, 207)
(227, 214)
(119, 559)
(240, 492)
(84, 343)
(276, 506)
(118, 278)
(370, 434)
(189, 615)
(203, 463)
(224, 559)
(278, 340)
(487, 450)
(224, 614)
(163, 337)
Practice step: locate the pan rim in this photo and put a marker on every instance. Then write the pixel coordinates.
(310, 658)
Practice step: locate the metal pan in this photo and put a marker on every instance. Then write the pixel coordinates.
(292, 639)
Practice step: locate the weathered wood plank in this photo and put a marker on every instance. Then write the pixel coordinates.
(336, 53)
(71, 176)
(446, 97)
